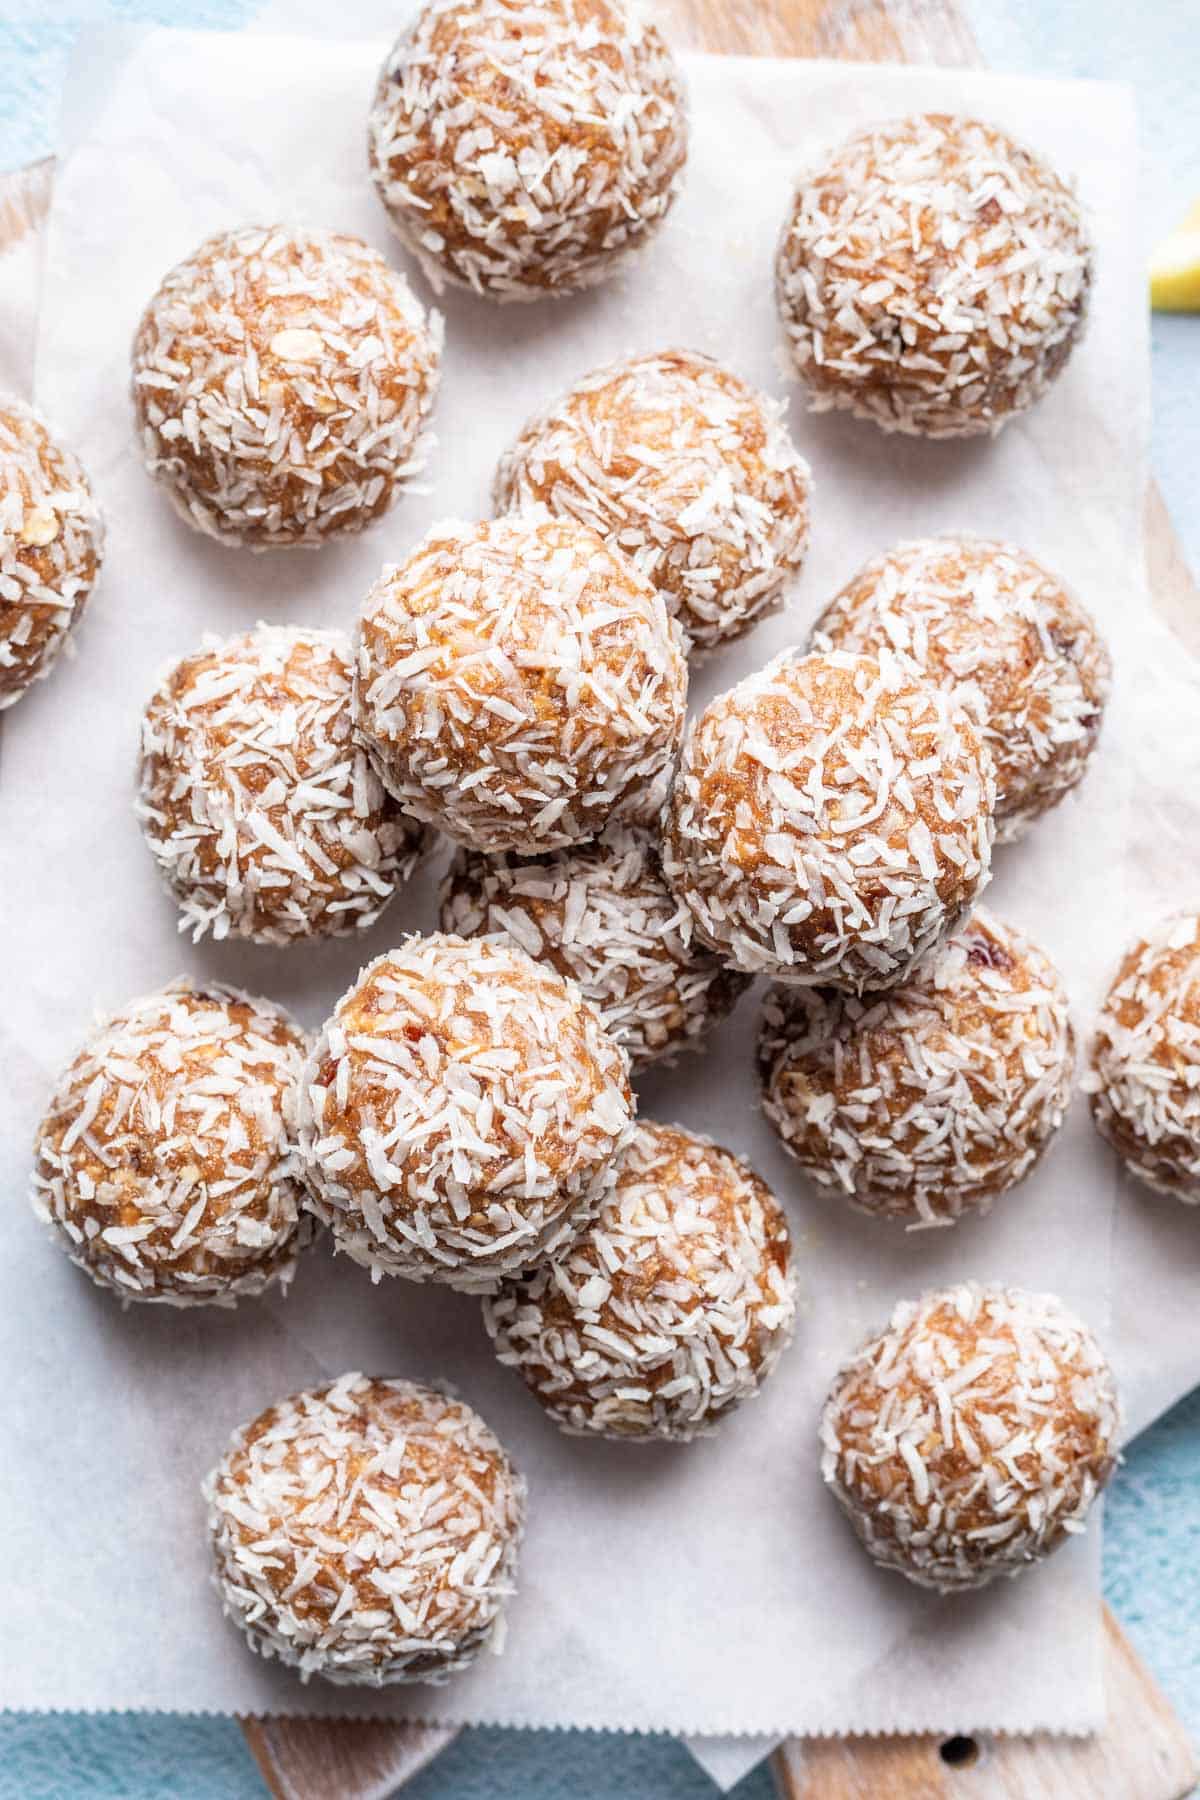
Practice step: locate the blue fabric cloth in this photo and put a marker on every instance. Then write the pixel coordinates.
(1152, 1550)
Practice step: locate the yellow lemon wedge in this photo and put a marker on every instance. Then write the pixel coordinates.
(1175, 268)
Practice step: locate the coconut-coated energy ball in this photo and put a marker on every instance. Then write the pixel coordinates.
(669, 1310)
(930, 1100)
(519, 684)
(678, 463)
(933, 276)
(367, 1532)
(831, 821)
(282, 381)
(264, 816)
(524, 148)
(1144, 1080)
(51, 547)
(969, 1439)
(462, 1113)
(988, 622)
(603, 916)
(166, 1161)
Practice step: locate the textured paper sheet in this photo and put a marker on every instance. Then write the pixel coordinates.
(713, 1588)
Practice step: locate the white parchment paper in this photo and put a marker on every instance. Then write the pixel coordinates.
(712, 1589)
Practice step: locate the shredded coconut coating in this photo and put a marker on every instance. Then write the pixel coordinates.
(51, 548)
(604, 917)
(681, 465)
(986, 621)
(264, 816)
(672, 1308)
(935, 1098)
(933, 276)
(282, 381)
(520, 685)
(831, 821)
(367, 1532)
(969, 1439)
(167, 1160)
(461, 1114)
(525, 148)
(1144, 1080)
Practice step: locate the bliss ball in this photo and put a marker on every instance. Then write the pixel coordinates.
(367, 1532)
(988, 622)
(933, 276)
(166, 1161)
(51, 548)
(282, 381)
(831, 821)
(969, 1439)
(603, 916)
(524, 148)
(462, 1113)
(669, 1310)
(264, 816)
(678, 463)
(930, 1100)
(519, 685)
(1144, 1079)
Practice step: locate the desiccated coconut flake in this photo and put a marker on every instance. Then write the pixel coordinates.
(932, 276)
(519, 684)
(603, 916)
(463, 1113)
(51, 548)
(366, 1532)
(1009, 1377)
(934, 1098)
(669, 1310)
(166, 1160)
(1144, 1079)
(282, 383)
(683, 467)
(525, 148)
(989, 624)
(264, 816)
(792, 831)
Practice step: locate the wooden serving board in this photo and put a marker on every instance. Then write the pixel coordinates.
(1143, 1753)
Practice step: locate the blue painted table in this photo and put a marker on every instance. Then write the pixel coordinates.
(1152, 1547)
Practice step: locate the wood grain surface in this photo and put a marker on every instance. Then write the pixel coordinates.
(931, 31)
(340, 1759)
(25, 200)
(1144, 1753)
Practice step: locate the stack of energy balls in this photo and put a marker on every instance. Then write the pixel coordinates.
(517, 686)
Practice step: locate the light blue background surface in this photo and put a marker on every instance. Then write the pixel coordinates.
(1152, 1547)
